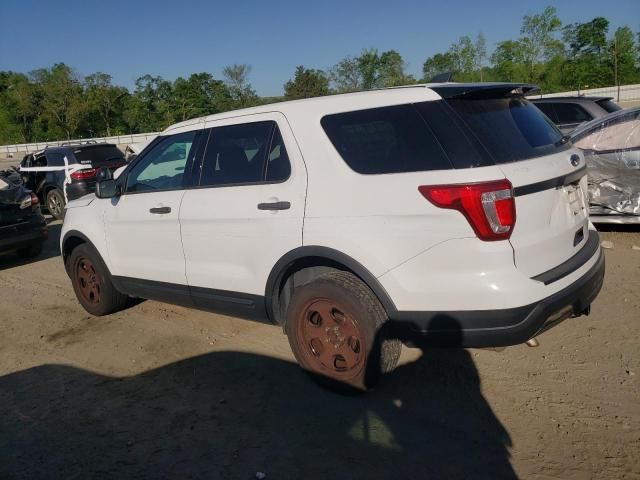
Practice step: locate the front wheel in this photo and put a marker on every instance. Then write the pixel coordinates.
(92, 282)
(55, 203)
(334, 325)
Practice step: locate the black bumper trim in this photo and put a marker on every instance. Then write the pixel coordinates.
(497, 328)
(574, 263)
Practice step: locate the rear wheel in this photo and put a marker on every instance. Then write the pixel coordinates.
(92, 283)
(334, 325)
(55, 203)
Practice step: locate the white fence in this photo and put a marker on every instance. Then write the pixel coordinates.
(622, 93)
(118, 140)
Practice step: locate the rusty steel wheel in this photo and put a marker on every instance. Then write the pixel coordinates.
(332, 339)
(334, 324)
(88, 280)
(92, 282)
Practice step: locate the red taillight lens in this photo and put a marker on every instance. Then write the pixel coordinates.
(34, 202)
(489, 207)
(84, 174)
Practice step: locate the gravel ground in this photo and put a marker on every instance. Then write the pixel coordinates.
(159, 391)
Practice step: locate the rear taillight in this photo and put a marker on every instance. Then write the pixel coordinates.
(84, 174)
(488, 206)
(34, 202)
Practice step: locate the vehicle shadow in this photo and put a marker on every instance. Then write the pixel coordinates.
(232, 414)
(51, 248)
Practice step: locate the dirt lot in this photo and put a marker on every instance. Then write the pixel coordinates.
(163, 392)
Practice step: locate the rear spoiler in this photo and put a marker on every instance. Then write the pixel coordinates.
(482, 90)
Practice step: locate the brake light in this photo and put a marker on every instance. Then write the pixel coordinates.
(34, 202)
(489, 207)
(84, 174)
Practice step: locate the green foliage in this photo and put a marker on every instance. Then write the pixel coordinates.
(306, 83)
(56, 103)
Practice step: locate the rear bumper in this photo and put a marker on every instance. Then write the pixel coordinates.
(497, 328)
(22, 235)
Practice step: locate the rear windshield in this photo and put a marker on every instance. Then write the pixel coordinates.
(609, 105)
(98, 154)
(510, 129)
(441, 135)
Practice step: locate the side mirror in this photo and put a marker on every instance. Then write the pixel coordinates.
(107, 189)
(103, 174)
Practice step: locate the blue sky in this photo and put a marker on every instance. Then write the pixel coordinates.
(175, 38)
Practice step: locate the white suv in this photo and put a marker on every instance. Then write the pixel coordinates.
(445, 214)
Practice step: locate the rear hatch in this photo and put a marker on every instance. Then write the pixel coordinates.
(548, 176)
(98, 156)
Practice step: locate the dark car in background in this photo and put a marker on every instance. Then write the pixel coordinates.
(49, 185)
(569, 112)
(22, 226)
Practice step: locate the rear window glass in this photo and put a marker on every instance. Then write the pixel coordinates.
(571, 113)
(609, 106)
(510, 129)
(547, 109)
(385, 140)
(99, 153)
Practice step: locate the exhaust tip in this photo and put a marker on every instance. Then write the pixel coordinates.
(533, 342)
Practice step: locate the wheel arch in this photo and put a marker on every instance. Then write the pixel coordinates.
(71, 240)
(314, 261)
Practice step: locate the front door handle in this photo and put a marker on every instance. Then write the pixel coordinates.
(274, 206)
(160, 210)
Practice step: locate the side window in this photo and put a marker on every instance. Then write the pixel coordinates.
(571, 113)
(237, 154)
(278, 167)
(57, 160)
(385, 140)
(163, 167)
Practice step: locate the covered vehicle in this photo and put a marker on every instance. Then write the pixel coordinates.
(22, 227)
(611, 146)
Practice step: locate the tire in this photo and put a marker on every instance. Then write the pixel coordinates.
(92, 282)
(335, 328)
(31, 251)
(56, 203)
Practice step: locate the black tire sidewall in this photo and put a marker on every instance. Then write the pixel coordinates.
(109, 296)
(58, 193)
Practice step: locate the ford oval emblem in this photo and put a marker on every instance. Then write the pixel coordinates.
(575, 160)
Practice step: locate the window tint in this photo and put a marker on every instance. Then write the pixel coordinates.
(385, 140)
(98, 154)
(278, 166)
(609, 105)
(547, 109)
(571, 113)
(510, 129)
(57, 160)
(163, 166)
(237, 154)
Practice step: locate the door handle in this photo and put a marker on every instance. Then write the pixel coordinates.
(274, 206)
(160, 210)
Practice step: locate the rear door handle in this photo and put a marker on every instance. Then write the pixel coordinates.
(160, 210)
(274, 206)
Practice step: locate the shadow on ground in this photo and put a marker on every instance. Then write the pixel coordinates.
(51, 248)
(230, 415)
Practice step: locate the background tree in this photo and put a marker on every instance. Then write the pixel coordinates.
(538, 39)
(306, 83)
(104, 100)
(346, 76)
(237, 79)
